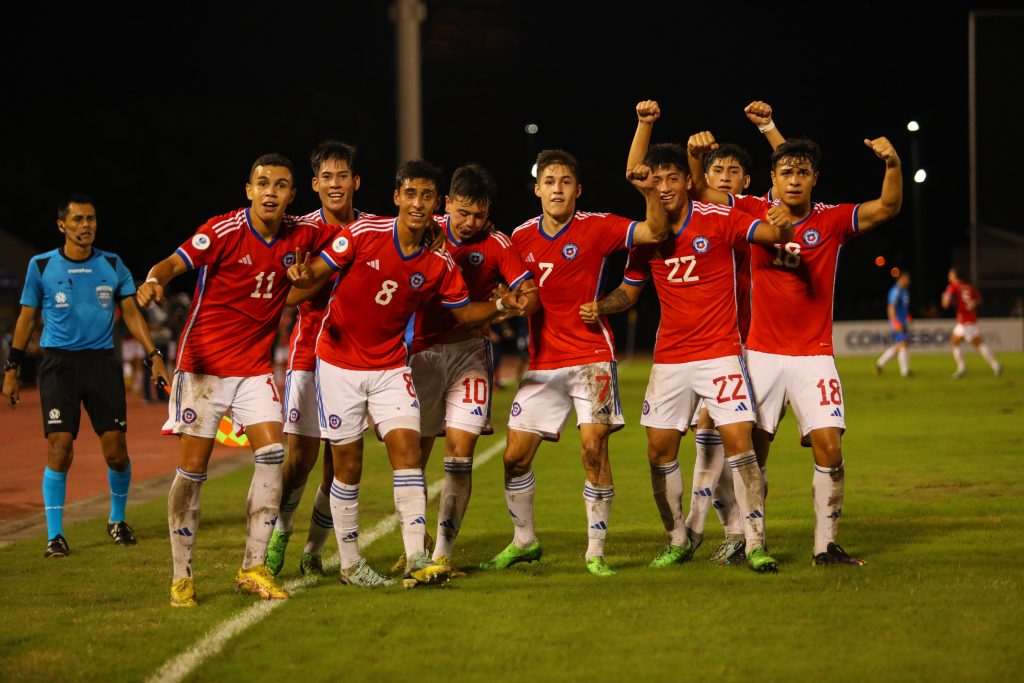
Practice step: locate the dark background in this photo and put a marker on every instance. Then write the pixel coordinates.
(159, 114)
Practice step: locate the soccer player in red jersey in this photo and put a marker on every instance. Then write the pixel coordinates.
(789, 348)
(572, 363)
(390, 268)
(335, 181)
(223, 361)
(697, 354)
(452, 364)
(967, 299)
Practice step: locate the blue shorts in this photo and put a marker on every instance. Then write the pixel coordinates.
(899, 337)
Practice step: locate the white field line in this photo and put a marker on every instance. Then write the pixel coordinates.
(212, 642)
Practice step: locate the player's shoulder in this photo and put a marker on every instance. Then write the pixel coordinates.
(47, 255)
(495, 239)
(710, 209)
(108, 256)
(525, 230)
(441, 258)
(371, 224)
(225, 224)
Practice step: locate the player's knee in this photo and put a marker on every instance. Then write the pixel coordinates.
(59, 452)
(829, 453)
(592, 454)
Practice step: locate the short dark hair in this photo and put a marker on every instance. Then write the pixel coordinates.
(557, 157)
(65, 203)
(419, 169)
(473, 183)
(333, 150)
(729, 151)
(665, 154)
(799, 149)
(273, 160)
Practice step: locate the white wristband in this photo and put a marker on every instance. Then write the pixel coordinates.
(500, 305)
(766, 127)
(153, 280)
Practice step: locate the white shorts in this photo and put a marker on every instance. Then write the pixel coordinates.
(453, 382)
(545, 397)
(300, 409)
(968, 331)
(810, 384)
(675, 390)
(696, 413)
(199, 401)
(347, 398)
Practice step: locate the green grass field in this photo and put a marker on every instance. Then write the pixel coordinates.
(934, 501)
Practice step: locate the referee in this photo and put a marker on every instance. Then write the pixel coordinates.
(77, 287)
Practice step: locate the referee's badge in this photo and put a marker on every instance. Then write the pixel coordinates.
(105, 295)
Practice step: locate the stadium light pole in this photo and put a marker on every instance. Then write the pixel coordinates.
(920, 263)
(407, 15)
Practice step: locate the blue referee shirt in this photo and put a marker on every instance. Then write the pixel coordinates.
(899, 299)
(77, 298)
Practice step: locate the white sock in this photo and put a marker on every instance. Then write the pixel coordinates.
(519, 494)
(828, 484)
(725, 502)
(764, 479)
(321, 523)
(886, 356)
(749, 490)
(286, 516)
(455, 492)
(345, 515)
(904, 362)
(707, 468)
(411, 506)
(958, 356)
(183, 519)
(667, 485)
(263, 501)
(986, 353)
(598, 500)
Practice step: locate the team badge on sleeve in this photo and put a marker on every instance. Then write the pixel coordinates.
(416, 280)
(570, 251)
(476, 258)
(811, 237)
(701, 244)
(201, 242)
(340, 245)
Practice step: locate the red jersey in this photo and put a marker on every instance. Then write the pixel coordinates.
(966, 298)
(242, 289)
(695, 275)
(569, 271)
(378, 291)
(310, 314)
(483, 259)
(794, 284)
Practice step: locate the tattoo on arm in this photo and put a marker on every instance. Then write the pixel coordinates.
(616, 302)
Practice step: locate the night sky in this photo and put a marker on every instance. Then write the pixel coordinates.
(158, 116)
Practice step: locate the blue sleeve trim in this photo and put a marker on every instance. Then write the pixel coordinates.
(184, 257)
(457, 304)
(629, 235)
(327, 259)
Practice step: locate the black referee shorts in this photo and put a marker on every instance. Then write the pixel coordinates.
(69, 378)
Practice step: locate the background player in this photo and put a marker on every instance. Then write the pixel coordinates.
(967, 299)
(77, 287)
(898, 312)
(223, 361)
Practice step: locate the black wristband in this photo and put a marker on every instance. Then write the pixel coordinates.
(15, 356)
(147, 362)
